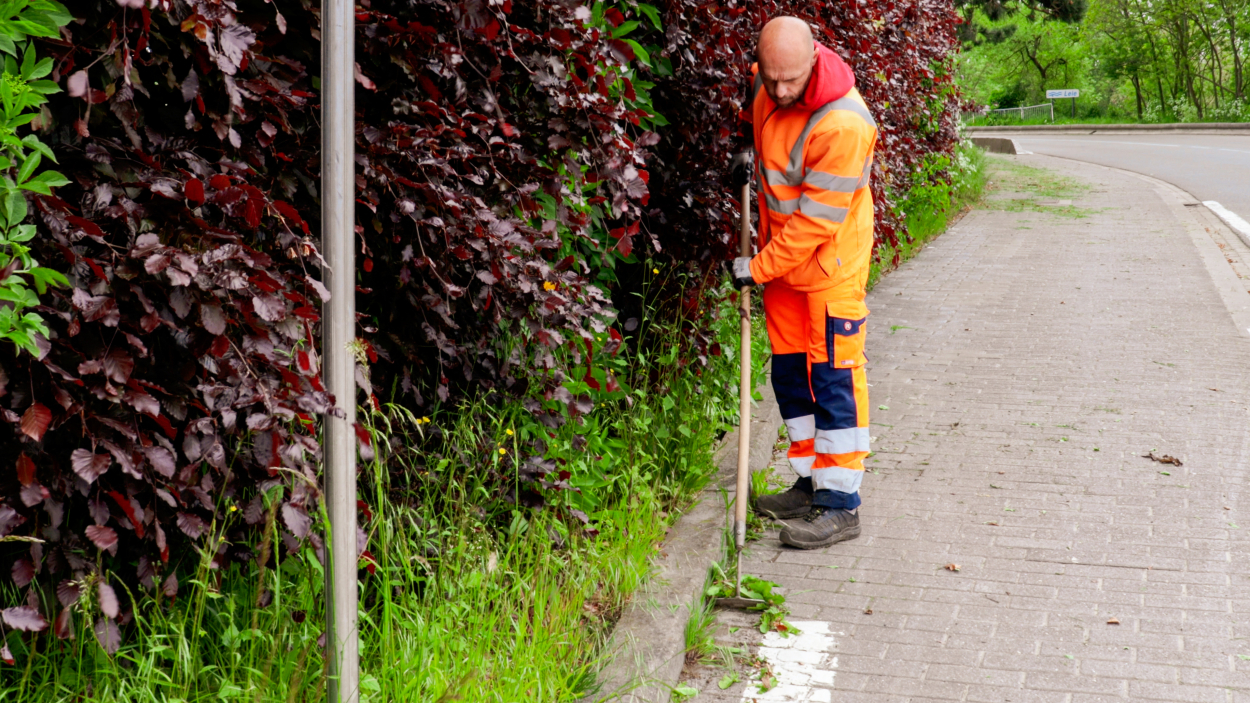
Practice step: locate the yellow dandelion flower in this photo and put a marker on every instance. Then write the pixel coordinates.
(548, 285)
(655, 270)
(502, 451)
(508, 432)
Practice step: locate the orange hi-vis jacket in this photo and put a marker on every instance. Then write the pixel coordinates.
(813, 161)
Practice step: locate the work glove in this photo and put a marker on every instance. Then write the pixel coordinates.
(739, 271)
(742, 169)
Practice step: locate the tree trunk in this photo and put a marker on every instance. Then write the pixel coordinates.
(1217, 66)
(1230, 19)
(1154, 57)
(1137, 93)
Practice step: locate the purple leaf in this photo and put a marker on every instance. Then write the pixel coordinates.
(89, 465)
(9, 518)
(144, 403)
(296, 519)
(322, 291)
(35, 421)
(191, 525)
(77, 85)
(108, 601)
(213, 319)
(269, 308)
(104, 538)
(24, 618)
(118, 365)
(107, 634)
(235, 40)
(63, 626)
(163, 462)
(23, 572)
(34, 494)
(190, 86)
(68, 592)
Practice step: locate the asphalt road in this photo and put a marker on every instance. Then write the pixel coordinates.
(1209, 167)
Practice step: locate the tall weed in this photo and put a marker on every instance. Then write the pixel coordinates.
(468, 592)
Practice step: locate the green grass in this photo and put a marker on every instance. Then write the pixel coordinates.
(473, 597)
(1032, 187)
(942, 191)
(1062, 117)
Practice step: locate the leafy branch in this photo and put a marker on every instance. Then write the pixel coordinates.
(23, 91)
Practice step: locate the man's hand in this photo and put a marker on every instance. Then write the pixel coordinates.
(742, 169)
(739, 271)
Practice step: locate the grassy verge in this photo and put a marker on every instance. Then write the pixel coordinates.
(1066, 119)
(1024, 188)
(471, 590)
(940, 192)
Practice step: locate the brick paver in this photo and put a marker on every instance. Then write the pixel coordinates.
(1034, 359)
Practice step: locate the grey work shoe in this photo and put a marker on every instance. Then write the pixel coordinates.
(795, 502)
(821, 527)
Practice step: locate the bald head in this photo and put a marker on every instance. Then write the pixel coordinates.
(787, 53)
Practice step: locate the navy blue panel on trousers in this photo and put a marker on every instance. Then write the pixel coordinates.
(835, 397)
(794, 395)
(836, 500)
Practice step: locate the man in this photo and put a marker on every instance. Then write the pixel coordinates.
(814, 140)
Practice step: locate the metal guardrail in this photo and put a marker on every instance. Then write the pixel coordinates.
(1032, 110)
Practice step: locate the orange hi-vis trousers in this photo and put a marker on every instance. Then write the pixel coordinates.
(819, 378)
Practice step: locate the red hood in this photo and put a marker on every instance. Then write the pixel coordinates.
(831, 79)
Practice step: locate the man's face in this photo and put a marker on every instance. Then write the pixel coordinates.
(786, 81)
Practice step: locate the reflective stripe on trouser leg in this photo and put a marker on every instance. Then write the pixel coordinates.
(842, 440)
(802, 433)
(794, 399)
(802, 453)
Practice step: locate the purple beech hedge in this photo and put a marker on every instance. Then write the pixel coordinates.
(517, 162)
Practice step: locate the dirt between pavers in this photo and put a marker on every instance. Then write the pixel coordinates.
(1021, 366)
(735, 629)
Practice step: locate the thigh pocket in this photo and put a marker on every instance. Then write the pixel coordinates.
(844, 339)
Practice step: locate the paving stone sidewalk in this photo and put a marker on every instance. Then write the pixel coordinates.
(1021, 366)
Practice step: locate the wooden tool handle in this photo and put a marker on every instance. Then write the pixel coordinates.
(744, 382)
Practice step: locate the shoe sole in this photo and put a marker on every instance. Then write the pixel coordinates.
(836, 537)
(778, 515)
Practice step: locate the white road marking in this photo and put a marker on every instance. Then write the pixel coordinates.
(803, 664)
(1232, 219)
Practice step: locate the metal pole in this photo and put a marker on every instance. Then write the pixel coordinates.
(338, 208)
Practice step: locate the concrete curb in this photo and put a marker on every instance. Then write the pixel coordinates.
(648, 645)
(1194, 128)
(995, 145)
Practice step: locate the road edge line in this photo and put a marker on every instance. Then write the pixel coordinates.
(1230, 218)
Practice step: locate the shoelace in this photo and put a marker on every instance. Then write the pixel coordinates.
(814, 514)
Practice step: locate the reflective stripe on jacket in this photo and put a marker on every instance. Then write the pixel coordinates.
(816, 211)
